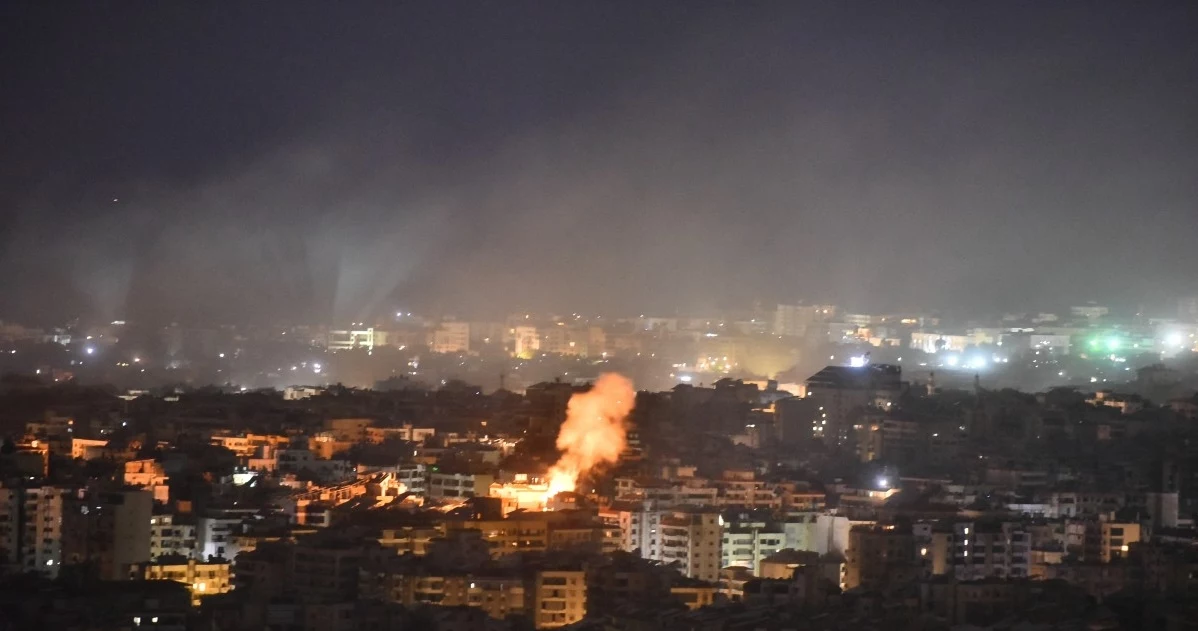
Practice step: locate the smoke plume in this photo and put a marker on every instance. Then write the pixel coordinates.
(594, 432)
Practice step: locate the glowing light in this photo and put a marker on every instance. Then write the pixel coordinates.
(594, 433)
(90, 350)
(857, 362)
(952, 360)
(685, 378)
(883, 483)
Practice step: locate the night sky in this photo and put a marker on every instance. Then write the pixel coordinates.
(235, 162)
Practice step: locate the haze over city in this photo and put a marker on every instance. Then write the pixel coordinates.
(228, 164)
(598, 316)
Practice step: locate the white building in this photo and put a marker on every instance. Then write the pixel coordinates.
(451, 337)
(692, 537)
(216, 534)
(817, 532)
(745, 544)
(350, 339)
(170, 535)
(413, 476)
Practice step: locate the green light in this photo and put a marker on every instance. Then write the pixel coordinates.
(1114, 343)
(1094, 342)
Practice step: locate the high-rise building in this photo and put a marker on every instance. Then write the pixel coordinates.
(31, 529)
(690, 536)
(840, 391)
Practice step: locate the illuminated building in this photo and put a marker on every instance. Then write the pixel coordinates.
(350, 339)
(936, 342)
(216, 533)
(202, 579)
(87, 448)
(149, 476)
(451, 337)
(459, 485)
(172, 535)
(526, 341)
(558, 598)
(249, 445)
(1116, 540)
(521, 496)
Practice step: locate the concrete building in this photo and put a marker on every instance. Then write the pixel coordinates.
(746, 542)
(216, 534)
(344, 340)
(451, 485)
(173, 535)
(451, 337)
(324, 572)
(559, 598)
(201, 579)
(692, 538)
(1116, 540)
(980, 550)
(31, 521)
(526, 341)
(840, 391)
(148, 475)
(87, 448)
(878, 554)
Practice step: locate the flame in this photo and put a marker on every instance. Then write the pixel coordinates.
(594, 432)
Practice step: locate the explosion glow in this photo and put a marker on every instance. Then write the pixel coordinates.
(594, 432)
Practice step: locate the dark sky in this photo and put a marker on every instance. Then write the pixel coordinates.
(311, 161)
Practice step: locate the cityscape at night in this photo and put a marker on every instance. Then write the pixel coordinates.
(604, 316)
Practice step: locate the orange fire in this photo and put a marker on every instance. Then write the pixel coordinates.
(594, 432)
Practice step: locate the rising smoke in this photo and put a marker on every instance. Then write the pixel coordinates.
(594, 433)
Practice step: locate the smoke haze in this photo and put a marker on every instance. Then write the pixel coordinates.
(250, 163)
